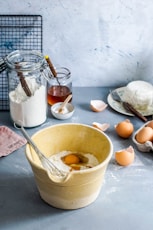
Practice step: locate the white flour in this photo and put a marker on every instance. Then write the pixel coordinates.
(31, 111)
(56, 159)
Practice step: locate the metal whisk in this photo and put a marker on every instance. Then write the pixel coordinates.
(47, 164)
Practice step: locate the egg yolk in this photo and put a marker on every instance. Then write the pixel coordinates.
(71, 159)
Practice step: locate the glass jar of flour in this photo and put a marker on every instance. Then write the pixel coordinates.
(27, 72)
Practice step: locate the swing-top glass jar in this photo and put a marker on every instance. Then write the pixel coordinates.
(27, 72)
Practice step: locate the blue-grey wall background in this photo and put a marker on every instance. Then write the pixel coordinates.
(102, 42)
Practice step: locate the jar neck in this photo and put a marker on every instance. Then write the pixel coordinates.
(25, 61)
(62, 72)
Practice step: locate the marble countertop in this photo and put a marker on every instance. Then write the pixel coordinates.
(125, 200)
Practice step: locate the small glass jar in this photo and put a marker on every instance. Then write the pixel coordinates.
(27, 71)
(59, 87)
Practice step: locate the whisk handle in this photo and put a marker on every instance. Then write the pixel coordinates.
(29, 140)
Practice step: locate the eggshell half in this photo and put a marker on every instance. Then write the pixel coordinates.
(125, 157)
(103, 127)
(98, 105)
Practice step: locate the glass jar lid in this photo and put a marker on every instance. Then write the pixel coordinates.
(24, 60)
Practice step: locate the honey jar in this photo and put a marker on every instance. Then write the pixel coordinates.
(59, 87)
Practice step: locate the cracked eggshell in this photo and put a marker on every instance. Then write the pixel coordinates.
(103, 127)
(125, 157)
(97, 105)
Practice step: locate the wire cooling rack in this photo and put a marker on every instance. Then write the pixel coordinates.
(17, 32)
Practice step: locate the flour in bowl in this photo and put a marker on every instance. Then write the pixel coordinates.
(85, 161)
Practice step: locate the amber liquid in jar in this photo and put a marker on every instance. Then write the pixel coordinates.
(57, 93)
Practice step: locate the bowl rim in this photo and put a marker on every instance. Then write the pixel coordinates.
(95, 168)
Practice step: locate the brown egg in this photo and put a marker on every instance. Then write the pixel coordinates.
(125, 157)
(145, 134)
(97, 105)
(124, 128)
(150, 124)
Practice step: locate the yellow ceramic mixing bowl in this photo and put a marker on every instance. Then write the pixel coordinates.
(82, 187)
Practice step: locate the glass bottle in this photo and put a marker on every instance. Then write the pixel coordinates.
(27, 71)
